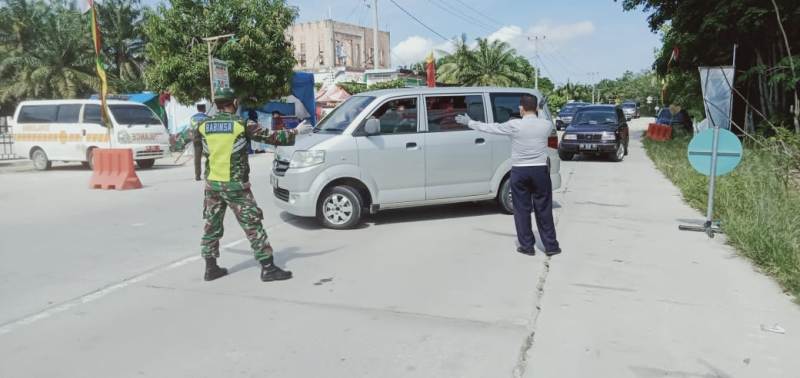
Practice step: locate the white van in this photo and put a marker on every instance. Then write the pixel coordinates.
(68, 130)
(402, 148)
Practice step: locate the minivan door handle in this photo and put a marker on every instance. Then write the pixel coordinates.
(480, 141)
(411, 146)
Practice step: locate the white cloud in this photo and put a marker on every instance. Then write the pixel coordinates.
(555, 35)
(415, 49)
(412, 50)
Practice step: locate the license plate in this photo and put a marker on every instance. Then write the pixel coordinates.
(588, 146)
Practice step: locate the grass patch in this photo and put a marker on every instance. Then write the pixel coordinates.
(760, 214)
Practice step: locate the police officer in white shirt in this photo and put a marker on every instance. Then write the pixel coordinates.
(531, 188)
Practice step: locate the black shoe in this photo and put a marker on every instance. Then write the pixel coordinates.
(213, 271)
(529, 252)
(271, 272)
(553, 252)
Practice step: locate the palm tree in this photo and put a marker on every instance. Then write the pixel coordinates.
(121, 23)
(495, 64)
(453, 66)
(489, 63)
(57, 63)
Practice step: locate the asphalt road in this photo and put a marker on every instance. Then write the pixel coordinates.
(99, 283)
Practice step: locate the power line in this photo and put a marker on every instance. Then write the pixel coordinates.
(419, 22)
(460, 14)
(482, 14)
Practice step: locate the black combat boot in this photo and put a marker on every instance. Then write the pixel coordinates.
(213, 271)
(271, 272)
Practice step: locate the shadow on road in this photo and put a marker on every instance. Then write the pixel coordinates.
(415, 214)
(282, 257)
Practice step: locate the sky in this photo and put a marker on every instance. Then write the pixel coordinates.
(584, 40)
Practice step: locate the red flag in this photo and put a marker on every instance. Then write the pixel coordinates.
(431, 71)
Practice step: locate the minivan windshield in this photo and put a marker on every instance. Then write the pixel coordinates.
(341, 117)
(134, 115)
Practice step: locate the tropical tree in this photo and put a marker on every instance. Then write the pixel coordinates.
(704, 32)
(259, 56)
(46, 52)
(122, 25)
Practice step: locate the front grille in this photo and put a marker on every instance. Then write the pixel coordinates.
(589, 137)
(279, 167)
(281, 194)
(149, 154)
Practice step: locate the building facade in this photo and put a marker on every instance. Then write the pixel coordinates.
(323, 46)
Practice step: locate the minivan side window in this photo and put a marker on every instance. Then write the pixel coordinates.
(397, 116)
(38, 114)
(91, 114)
(505, 106)
(68, 113)
(442, 111)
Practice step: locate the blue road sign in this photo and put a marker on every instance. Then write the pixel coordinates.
(729, 152)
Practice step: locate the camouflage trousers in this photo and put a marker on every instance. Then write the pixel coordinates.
(244, 207)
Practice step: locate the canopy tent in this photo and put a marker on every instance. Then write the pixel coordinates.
(297, 104)
(333, 93)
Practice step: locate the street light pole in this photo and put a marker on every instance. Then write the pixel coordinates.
(209, 42)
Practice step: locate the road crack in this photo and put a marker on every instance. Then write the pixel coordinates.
(527, 345)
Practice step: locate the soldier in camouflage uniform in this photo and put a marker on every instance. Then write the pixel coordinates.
(224, 140)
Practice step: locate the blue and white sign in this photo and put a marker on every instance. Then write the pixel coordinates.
(729, 152)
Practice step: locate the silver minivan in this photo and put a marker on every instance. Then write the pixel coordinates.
(401, 148)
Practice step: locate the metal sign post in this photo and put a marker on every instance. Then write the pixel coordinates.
(699, 154)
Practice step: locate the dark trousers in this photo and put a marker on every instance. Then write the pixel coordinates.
(532, 190)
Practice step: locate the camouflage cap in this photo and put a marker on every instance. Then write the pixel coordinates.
(224, 94)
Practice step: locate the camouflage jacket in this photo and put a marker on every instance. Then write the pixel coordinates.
(225, 138)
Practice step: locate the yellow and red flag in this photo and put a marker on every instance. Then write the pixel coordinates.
(89, 6)
(431, 70)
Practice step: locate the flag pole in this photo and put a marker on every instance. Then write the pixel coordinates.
(101, 72)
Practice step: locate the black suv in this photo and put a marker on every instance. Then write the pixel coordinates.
(597, 130)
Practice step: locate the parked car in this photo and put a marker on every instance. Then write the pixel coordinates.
(69, 130)
(566, 113)
(402, 148)
(630, 109)
(597, 130)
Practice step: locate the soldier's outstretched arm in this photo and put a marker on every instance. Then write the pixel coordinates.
(276, 137)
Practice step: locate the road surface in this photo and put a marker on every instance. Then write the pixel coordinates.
(99, 283)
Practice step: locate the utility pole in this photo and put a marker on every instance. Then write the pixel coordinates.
(593, 76)
(375, 53)
(535, 39)
(210, 41)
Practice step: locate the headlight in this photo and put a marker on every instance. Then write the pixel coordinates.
(570, 136)
(609, 136)
(123, 137)
(305, 159)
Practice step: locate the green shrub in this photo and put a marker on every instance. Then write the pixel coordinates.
(760, 213)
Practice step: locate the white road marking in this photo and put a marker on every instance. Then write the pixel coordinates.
(95, 295)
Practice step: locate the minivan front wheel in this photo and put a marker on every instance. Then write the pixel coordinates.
(504, 197)
(340, 208)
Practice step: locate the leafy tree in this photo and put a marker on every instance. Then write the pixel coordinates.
(46, 52)
(259, 57)
(122, 26)
(705, 32)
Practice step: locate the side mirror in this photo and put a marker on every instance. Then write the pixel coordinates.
(373, 126)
